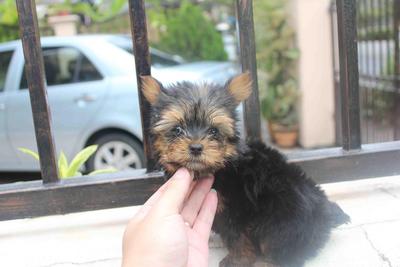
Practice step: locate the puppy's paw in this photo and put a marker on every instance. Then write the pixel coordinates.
(230, 261)
(264, 264)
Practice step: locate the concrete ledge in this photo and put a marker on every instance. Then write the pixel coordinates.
(94, 238)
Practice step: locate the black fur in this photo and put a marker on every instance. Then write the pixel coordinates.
(286, 216)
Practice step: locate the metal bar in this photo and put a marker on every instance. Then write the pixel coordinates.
(335, 165)
(388, 45)
(367, 70)
(142, 60)
(372, 22)
(346, 10)
(396, 25)
(252, 120)
(32, 199)
(34, 68)
(336, 78)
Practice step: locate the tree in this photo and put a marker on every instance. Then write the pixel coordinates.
(8, 21)
(187, 32)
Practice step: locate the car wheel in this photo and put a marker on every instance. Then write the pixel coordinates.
(118, 151)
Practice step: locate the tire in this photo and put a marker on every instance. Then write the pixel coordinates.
(113, 150)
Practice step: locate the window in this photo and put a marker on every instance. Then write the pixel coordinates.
(158, 58)
(5, 59)
(160, 61)
(66, 65)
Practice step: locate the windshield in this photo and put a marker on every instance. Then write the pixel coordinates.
(158, 58)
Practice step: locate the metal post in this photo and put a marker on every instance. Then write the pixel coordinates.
(396, 25)
(142, 59)
(347, 28)
(34, 68)
(248, 60)
(336, 78)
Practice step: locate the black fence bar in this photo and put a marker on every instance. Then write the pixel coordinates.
(32, 199)
(396, 25)
(336, 86)
(347, 36)
(333, 165)
(143, 68)
(249, 63)
(29, 32)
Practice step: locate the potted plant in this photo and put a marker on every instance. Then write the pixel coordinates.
(279, 107)
(277, 61)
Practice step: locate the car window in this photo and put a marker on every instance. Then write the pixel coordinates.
(158, 59)
(5, 59)
(87, 71)
(161, 61)
(66, 65)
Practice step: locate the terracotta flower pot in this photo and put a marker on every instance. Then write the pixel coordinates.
(282, 135)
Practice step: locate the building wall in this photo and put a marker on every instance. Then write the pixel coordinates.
(313, 29)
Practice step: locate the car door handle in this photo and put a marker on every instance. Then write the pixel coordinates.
(2, 106)
(86, 98)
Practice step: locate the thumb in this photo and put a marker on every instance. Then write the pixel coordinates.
(172, 199)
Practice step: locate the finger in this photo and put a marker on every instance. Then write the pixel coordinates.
(195, 200)
(192, 185)
(170, 202)
(147, 206)
(204, 220)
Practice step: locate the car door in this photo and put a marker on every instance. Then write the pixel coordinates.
(8, 158)
(76, 89)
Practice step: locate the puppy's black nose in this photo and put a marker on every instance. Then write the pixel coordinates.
(196, 149)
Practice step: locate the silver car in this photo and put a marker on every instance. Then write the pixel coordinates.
(93, 98)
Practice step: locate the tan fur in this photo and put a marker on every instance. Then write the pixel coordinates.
(220, 119)
(176, 154)
(243, 254)
(169, 118)
(150, 88)
(240, 87)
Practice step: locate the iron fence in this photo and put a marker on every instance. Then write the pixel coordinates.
(379, 76)
(55, 196)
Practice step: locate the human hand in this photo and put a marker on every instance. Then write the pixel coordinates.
(173, 227)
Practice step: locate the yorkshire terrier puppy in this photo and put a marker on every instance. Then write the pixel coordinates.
(268, 209)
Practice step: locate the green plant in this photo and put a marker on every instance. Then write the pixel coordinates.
(277, 57)
(187, 32)
(66, 170)
(103, 9)
(8, 21)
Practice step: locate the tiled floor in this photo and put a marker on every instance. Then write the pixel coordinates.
(94, 238)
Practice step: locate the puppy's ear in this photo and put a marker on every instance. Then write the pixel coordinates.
(240, 87)
(151, 89)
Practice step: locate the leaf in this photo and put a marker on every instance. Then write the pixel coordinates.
(80, 159)
(29, 152)
(293, 53)
(103, 171)
(62, 165)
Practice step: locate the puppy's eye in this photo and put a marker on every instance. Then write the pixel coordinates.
(177, 130)
(213, 131)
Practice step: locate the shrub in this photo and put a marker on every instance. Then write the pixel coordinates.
(8, 21)
(187, 32)
(277, 59)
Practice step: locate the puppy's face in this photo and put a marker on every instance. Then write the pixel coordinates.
(194, 126)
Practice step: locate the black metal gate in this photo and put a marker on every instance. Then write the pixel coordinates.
(55, 196)
(379, 73)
